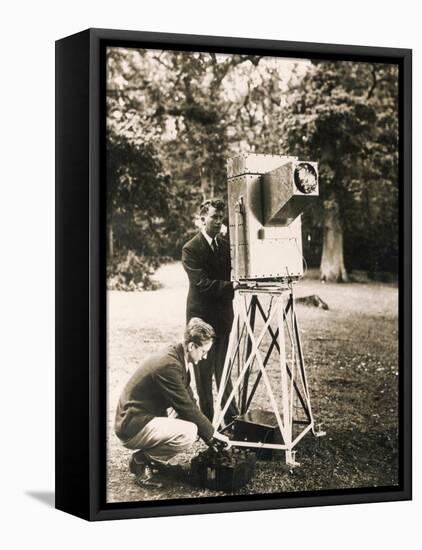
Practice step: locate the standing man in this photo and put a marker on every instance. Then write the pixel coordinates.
(206, 260)
(159, 384)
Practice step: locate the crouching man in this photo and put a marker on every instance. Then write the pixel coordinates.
(161, 384)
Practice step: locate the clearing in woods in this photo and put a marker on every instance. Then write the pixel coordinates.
(351, 356)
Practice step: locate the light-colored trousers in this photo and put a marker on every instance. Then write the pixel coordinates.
(163, 438)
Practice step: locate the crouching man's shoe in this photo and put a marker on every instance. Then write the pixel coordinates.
(143, 469)
(138, 463)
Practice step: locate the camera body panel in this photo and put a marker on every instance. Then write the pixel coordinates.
(265, 203)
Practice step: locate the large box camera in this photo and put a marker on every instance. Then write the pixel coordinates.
(266, 195)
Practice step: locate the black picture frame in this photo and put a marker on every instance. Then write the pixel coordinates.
(81, 269)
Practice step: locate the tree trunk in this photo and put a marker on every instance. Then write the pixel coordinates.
(204, 185)
(110, 242)
(332, 260)
(204, 178)
(211, 192)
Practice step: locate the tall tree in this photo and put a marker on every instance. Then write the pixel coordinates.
(179, 102)
(344, 115)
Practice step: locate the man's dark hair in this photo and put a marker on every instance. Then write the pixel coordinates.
(199, 332)
(218, 204)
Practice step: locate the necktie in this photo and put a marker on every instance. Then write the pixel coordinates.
(214, 245)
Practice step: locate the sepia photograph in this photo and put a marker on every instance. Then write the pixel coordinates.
(253, 259)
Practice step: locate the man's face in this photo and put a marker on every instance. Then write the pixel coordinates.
(212, 221)
(197, 353)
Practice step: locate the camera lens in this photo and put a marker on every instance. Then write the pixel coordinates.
(305, 177)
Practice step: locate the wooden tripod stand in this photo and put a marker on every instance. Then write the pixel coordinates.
(261, 353)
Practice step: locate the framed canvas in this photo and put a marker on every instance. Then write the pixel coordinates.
(233, 274)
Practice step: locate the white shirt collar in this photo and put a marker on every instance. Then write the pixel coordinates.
(187, 363)
(207, 237)
(189, 369)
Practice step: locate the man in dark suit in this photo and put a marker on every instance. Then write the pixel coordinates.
(206, 260)
(157, 412)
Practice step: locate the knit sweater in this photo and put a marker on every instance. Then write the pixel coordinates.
(159, 383)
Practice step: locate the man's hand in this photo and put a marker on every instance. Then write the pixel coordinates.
(219, 443)
(223, 438)
(236, 285)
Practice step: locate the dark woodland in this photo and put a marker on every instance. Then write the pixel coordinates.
(174, 117)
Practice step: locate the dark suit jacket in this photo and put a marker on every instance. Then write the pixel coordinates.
(160, 382)
(210, 290)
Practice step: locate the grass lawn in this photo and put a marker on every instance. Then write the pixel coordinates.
(351, 356)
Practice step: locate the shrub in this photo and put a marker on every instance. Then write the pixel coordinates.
(131, 272)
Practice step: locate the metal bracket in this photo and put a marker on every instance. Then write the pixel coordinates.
(239, 212)
(291, 459)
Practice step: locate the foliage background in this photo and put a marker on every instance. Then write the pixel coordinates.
(173, 118)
